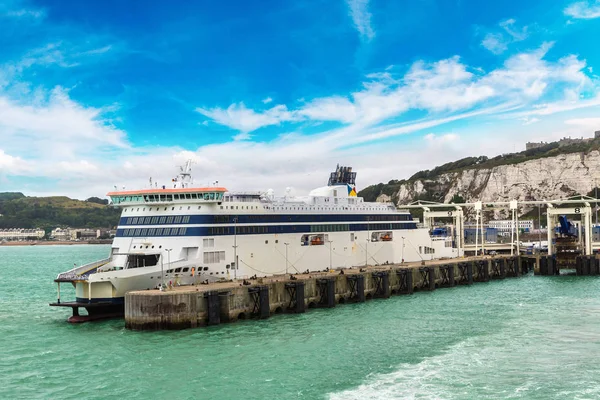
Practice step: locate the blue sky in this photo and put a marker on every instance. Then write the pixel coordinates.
(274, 94)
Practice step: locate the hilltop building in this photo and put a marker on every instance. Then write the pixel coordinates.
(562, 142)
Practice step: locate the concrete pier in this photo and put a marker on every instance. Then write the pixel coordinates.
(201, 305)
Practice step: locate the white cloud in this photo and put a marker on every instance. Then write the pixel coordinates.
(9, 163)
(529, 121)
(559, 107)
(361, 18)
(238, 117)
(498, 42)
(516, 34)
(448, 137)
(56, 130)
(26, 13)
(588, 124)
(495, 43)
(267, 100)
(242, 136)
(444, 86)
(583, 10)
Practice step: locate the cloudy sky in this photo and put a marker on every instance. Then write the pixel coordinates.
(272, 94)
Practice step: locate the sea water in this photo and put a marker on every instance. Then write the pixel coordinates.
(526, 338)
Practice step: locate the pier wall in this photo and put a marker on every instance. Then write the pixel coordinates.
(201, 305)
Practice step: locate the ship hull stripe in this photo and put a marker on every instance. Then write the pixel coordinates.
(260, 230)
(260, 218)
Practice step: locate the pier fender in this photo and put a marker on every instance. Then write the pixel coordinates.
(405, 280)
(465, 270)
(213, 307)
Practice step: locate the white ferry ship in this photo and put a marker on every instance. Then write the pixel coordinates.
(184, 235)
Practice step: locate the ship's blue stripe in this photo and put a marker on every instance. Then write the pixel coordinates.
(261, 229)
(260, 218)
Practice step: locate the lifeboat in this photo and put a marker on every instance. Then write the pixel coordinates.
(386, 238)
(316, 240)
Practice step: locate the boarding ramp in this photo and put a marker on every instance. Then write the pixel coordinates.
(82, 272)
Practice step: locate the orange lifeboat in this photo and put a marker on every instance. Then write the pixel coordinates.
(316, 240)
(386, 238)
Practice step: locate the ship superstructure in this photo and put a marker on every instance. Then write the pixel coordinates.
(182, 235)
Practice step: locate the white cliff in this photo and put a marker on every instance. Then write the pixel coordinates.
(545, 178)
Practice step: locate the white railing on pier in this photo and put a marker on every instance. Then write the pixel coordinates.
(81, 272)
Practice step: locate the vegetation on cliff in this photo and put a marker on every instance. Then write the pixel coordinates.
(20, 211)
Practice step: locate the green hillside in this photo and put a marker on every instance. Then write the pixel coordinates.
(370, 193)
(20, 211)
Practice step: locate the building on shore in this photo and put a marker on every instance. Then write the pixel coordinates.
(505, 227)
(74, 234)
(21, 234)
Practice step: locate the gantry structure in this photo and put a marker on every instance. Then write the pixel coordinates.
(573, 206)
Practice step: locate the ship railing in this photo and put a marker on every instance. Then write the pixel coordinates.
(81, 272)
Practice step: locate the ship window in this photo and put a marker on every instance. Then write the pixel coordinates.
(206, 196)
(177, 270)
(172, 208)
(189, 207)
(145, 260)
(186, 269)
(266, 242)
(213, 257)
(201, 206)
(221, 207)
(194, 196)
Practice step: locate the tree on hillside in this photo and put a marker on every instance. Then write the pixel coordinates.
(97, 200)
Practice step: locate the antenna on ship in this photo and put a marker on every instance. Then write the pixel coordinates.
(185, 176)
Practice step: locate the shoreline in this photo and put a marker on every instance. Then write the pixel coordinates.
(53, 243)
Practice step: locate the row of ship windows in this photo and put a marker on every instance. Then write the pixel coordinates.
(158, 208)
(180, 219)
(157, 220)
(330, 228)
(184, 196)
(167, 197)
(155, 232)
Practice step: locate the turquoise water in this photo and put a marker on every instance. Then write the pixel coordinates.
(529, 338)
